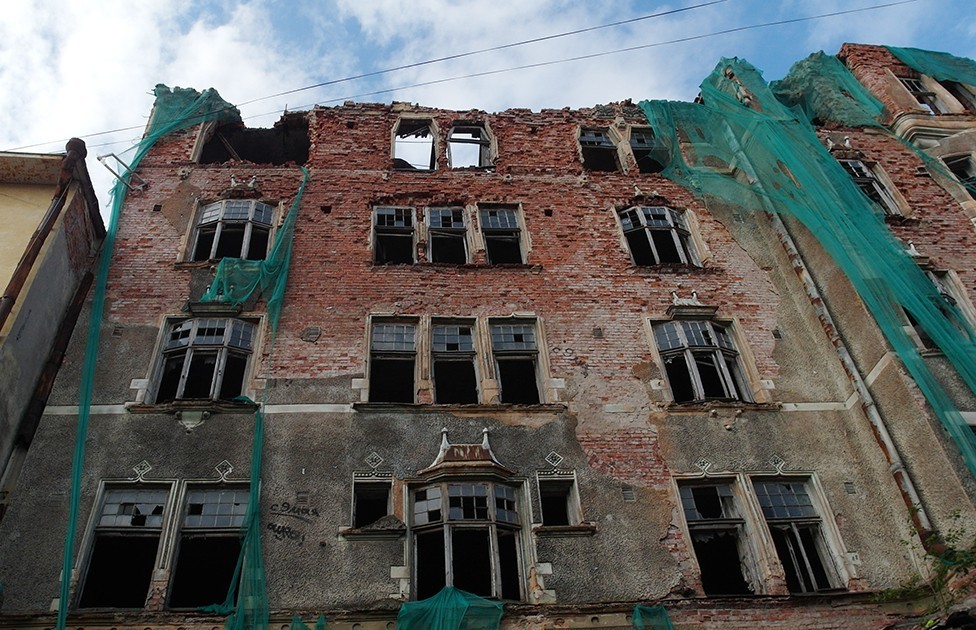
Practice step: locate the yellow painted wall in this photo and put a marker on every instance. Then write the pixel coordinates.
(22, 206)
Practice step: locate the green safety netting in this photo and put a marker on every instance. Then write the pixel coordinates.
(938, 65)
(237, 280)
(825, 90)
(298, 624)
(174, 110)
(745, 148)
(651, 618)
(450, 609)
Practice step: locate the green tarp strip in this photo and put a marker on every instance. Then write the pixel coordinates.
(651, 618)
(450, 609)
(938, 65)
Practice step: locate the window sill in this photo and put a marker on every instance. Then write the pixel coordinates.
(477, 408)
(900, 219)
(387, 528)
(195, 264)
(708, 405)
(177, 406)
(673, 268)
(452, 266)
(586, 528)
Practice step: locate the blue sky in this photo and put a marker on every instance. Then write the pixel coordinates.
(81, 67)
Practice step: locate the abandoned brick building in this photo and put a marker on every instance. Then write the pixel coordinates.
(518, 354)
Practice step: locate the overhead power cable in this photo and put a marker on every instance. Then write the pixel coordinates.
(541, 64)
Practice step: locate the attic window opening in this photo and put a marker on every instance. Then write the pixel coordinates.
(469, 145)
(286, 142)
(650, 156)
(414, 146)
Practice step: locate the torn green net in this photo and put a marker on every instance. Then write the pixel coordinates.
(938, 65)
(651, 618)
(450, 609)
(298, 624)
(745, 148)
(174, 110)
(238, 280)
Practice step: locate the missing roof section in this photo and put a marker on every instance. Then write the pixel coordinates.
(286, 142)
(414, 146)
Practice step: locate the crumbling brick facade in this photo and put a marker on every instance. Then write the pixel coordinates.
(632, 388)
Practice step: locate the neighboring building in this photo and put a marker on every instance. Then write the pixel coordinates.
(50, 232)
(512, 358)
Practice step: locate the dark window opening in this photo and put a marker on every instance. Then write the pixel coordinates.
(455, 382)
(796, 547)
(962, 93)
(286, 142)
(205, 359)
(517, 381)
(870, 185)
(508, 564)
(204, 569)
(471, 555)
(679, 378)
(414, 147)
(599, 150)
(718, 558)
(447, 236)
(503, 235)
(431, 577)
(963, 168)
(555, 497)
(657, 235)
(391, 380)
(700, 361)
(233, 228)
(119, 571)
(650, 156)
(371, 502)
(393, 236)
(469, 146)
(926, 98)
(392, 358)
(923, 336)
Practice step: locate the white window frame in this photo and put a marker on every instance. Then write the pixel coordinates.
(675, 222)
(449, 524)
(221, 215)
(239, 339)
(528, 352)
(734, 380)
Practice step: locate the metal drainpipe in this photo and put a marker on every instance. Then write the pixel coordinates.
(76, 150)
(930, 541)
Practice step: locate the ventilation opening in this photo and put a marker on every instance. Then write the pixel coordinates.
(391, 380)
(718, 558)
(518, 381)
(503, 248)
(204, 570)
(287, 142)
(119, 571)
(371, 503)
(455, 382)
(413, 148)
(430, 563)
(555, 496)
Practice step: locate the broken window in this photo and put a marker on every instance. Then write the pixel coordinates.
(717, 536)
(447, 239)
(796, 529)
(964, 169)
(233, 228)
(599, 150)
(392, 358)
(414, 145)
(370, 502)
(926, 98)
(209, 546)
(453, 364)
(205, 359)
(962, 93)
(502, 233)
(466, 535)
(559, 500)
(872, 187)
(700, 361)
(124, 548)
(657, 235)
(469, 145)
(286, 142)
(513, 343)
(393, 235)
(650, 155)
